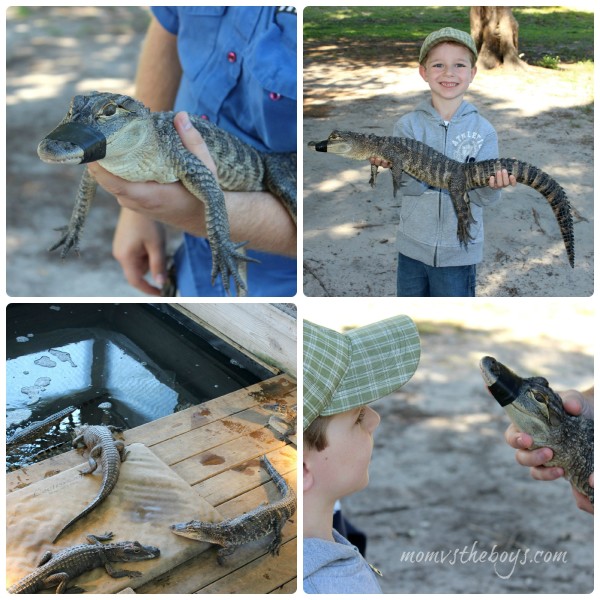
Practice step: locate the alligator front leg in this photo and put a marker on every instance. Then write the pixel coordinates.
(116, 573)
(224, 552)
(198, 180)
(83, 203)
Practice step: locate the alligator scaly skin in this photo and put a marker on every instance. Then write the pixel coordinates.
(253, 525)
(58, 569)
(36, 429)
(437, 170)
(99, 440)
(537, 410)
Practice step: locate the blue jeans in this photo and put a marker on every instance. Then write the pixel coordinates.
(418, 279)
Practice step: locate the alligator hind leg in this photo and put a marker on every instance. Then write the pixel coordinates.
(83, 203)
(462, 208)
(93, 464)
(223, 552)
(276, 543)
(60, 579)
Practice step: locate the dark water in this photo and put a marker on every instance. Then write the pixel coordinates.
(118, 364)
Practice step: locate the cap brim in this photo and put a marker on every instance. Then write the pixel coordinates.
(384, 356)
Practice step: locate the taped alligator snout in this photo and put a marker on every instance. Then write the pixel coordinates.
(319, 146)
(503, 384)
(74, 143)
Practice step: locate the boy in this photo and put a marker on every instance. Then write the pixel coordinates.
(343, 374)
(431, 261)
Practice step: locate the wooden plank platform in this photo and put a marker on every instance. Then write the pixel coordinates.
(216, 448)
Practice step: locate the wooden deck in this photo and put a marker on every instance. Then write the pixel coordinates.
(216, 447)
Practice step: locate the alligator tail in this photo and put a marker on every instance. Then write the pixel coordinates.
(479, 174)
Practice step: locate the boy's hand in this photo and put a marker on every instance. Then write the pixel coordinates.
(502, 180)
(380, 162)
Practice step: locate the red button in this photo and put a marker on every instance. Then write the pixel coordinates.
(205, 117)
(231, 57)
(274, 96)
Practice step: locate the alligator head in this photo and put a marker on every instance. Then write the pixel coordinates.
(536, 409)
(87, 132)
(348, 143)
(529, 403)
(133, 552)
(201, 531)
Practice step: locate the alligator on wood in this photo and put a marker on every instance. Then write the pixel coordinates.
(436, 169)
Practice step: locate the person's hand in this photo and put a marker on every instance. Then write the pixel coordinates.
(139, 247)
(502, 179)
(575, 403)
(139, 240)
(380, 162)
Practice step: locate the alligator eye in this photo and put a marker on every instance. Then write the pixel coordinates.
(108, 110)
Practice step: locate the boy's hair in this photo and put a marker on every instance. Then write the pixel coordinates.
(315, 435)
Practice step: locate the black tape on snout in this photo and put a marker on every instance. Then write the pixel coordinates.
(320, 146)
(90, 140)
(505, 390)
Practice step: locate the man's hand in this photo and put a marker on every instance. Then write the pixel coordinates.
(575, 403)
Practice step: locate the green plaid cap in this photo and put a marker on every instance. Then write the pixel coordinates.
(446, 34)
(344, 371)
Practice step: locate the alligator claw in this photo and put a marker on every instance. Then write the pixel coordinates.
(69, 240)
(225, 263)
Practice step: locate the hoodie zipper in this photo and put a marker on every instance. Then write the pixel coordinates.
(435, 254)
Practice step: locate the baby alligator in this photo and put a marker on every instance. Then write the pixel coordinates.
(250, 526)
(436, 169)
(537, 410)
(99, 440)
(36, 429)
(58, 569)
(138, 145)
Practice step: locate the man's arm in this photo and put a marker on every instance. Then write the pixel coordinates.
(139, 241)
(256, 217)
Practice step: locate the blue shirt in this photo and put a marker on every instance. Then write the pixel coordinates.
(239, 71)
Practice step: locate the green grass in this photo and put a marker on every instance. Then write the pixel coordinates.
(368, 31)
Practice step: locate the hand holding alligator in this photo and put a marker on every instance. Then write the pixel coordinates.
(139, 240)
(575, 403)
(501, 180)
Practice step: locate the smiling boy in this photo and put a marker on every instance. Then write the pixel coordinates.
(431, 260)
(343, 374)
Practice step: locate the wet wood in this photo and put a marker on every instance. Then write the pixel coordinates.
(216, 448)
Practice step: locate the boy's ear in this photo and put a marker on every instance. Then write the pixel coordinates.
(423, 72)
(308, 479)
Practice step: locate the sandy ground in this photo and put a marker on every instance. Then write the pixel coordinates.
(350, 230)
(53, 54)
(442, 479)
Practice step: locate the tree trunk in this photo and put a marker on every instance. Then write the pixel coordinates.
(496, 34)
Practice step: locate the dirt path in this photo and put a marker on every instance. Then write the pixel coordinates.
(350, 230)
(442, 480)
(53, 54)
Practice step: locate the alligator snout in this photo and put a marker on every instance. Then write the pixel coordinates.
(503, 384)
(73, 143)
(319, 146)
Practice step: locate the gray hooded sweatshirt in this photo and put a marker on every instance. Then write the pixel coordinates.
(336, 568)
(428, 222)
